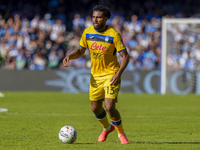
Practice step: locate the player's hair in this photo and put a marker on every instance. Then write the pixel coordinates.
(104, 9)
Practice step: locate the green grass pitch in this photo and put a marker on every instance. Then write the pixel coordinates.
(152, 122)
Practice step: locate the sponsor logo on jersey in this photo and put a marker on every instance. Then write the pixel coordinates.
(96, 55)
(95, 46)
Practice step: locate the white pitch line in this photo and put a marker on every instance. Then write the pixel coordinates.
(48, 114)
(167, 116)
(3, 109)
(126, 116)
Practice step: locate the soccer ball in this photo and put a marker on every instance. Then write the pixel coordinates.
(67, 134)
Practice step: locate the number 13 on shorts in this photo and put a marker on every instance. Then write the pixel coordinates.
(111, 91)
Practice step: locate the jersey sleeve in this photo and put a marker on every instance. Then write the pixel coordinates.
(83, 42)
(119, 44)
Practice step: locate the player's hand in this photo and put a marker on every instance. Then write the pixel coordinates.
(66, 61)
(115, 79)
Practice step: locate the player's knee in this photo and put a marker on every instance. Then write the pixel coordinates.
(96, 110)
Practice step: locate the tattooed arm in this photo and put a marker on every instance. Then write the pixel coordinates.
(75, 54)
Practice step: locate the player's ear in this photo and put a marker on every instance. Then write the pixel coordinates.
(106, 18)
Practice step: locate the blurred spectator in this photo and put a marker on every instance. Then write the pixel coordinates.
(88, 21)
(78, 23)
(79, 63)
(53, 59)
(20, 59)
(35, 22)
(132, 42)
(134, 26)
(57, 29)
(39, 62)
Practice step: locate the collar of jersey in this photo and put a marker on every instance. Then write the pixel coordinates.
(104, 29)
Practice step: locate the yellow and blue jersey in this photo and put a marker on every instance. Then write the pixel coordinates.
(103, 47)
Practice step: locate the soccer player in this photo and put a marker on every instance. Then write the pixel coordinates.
(103, 43)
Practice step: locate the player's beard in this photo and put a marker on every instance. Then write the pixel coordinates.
(100, 26)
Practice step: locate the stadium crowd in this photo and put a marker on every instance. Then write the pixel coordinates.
(37, 35)
(183, 50)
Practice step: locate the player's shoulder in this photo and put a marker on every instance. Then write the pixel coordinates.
(113, 31)
(89, 29)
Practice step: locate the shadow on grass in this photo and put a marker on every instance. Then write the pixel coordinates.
(84, 143)
(132, 142)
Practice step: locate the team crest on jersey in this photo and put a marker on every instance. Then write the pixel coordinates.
(106, 39)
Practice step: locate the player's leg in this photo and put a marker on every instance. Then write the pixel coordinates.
(101, 116)
(100, 113)
(111, 94)
(96, 98)
(115, 119)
